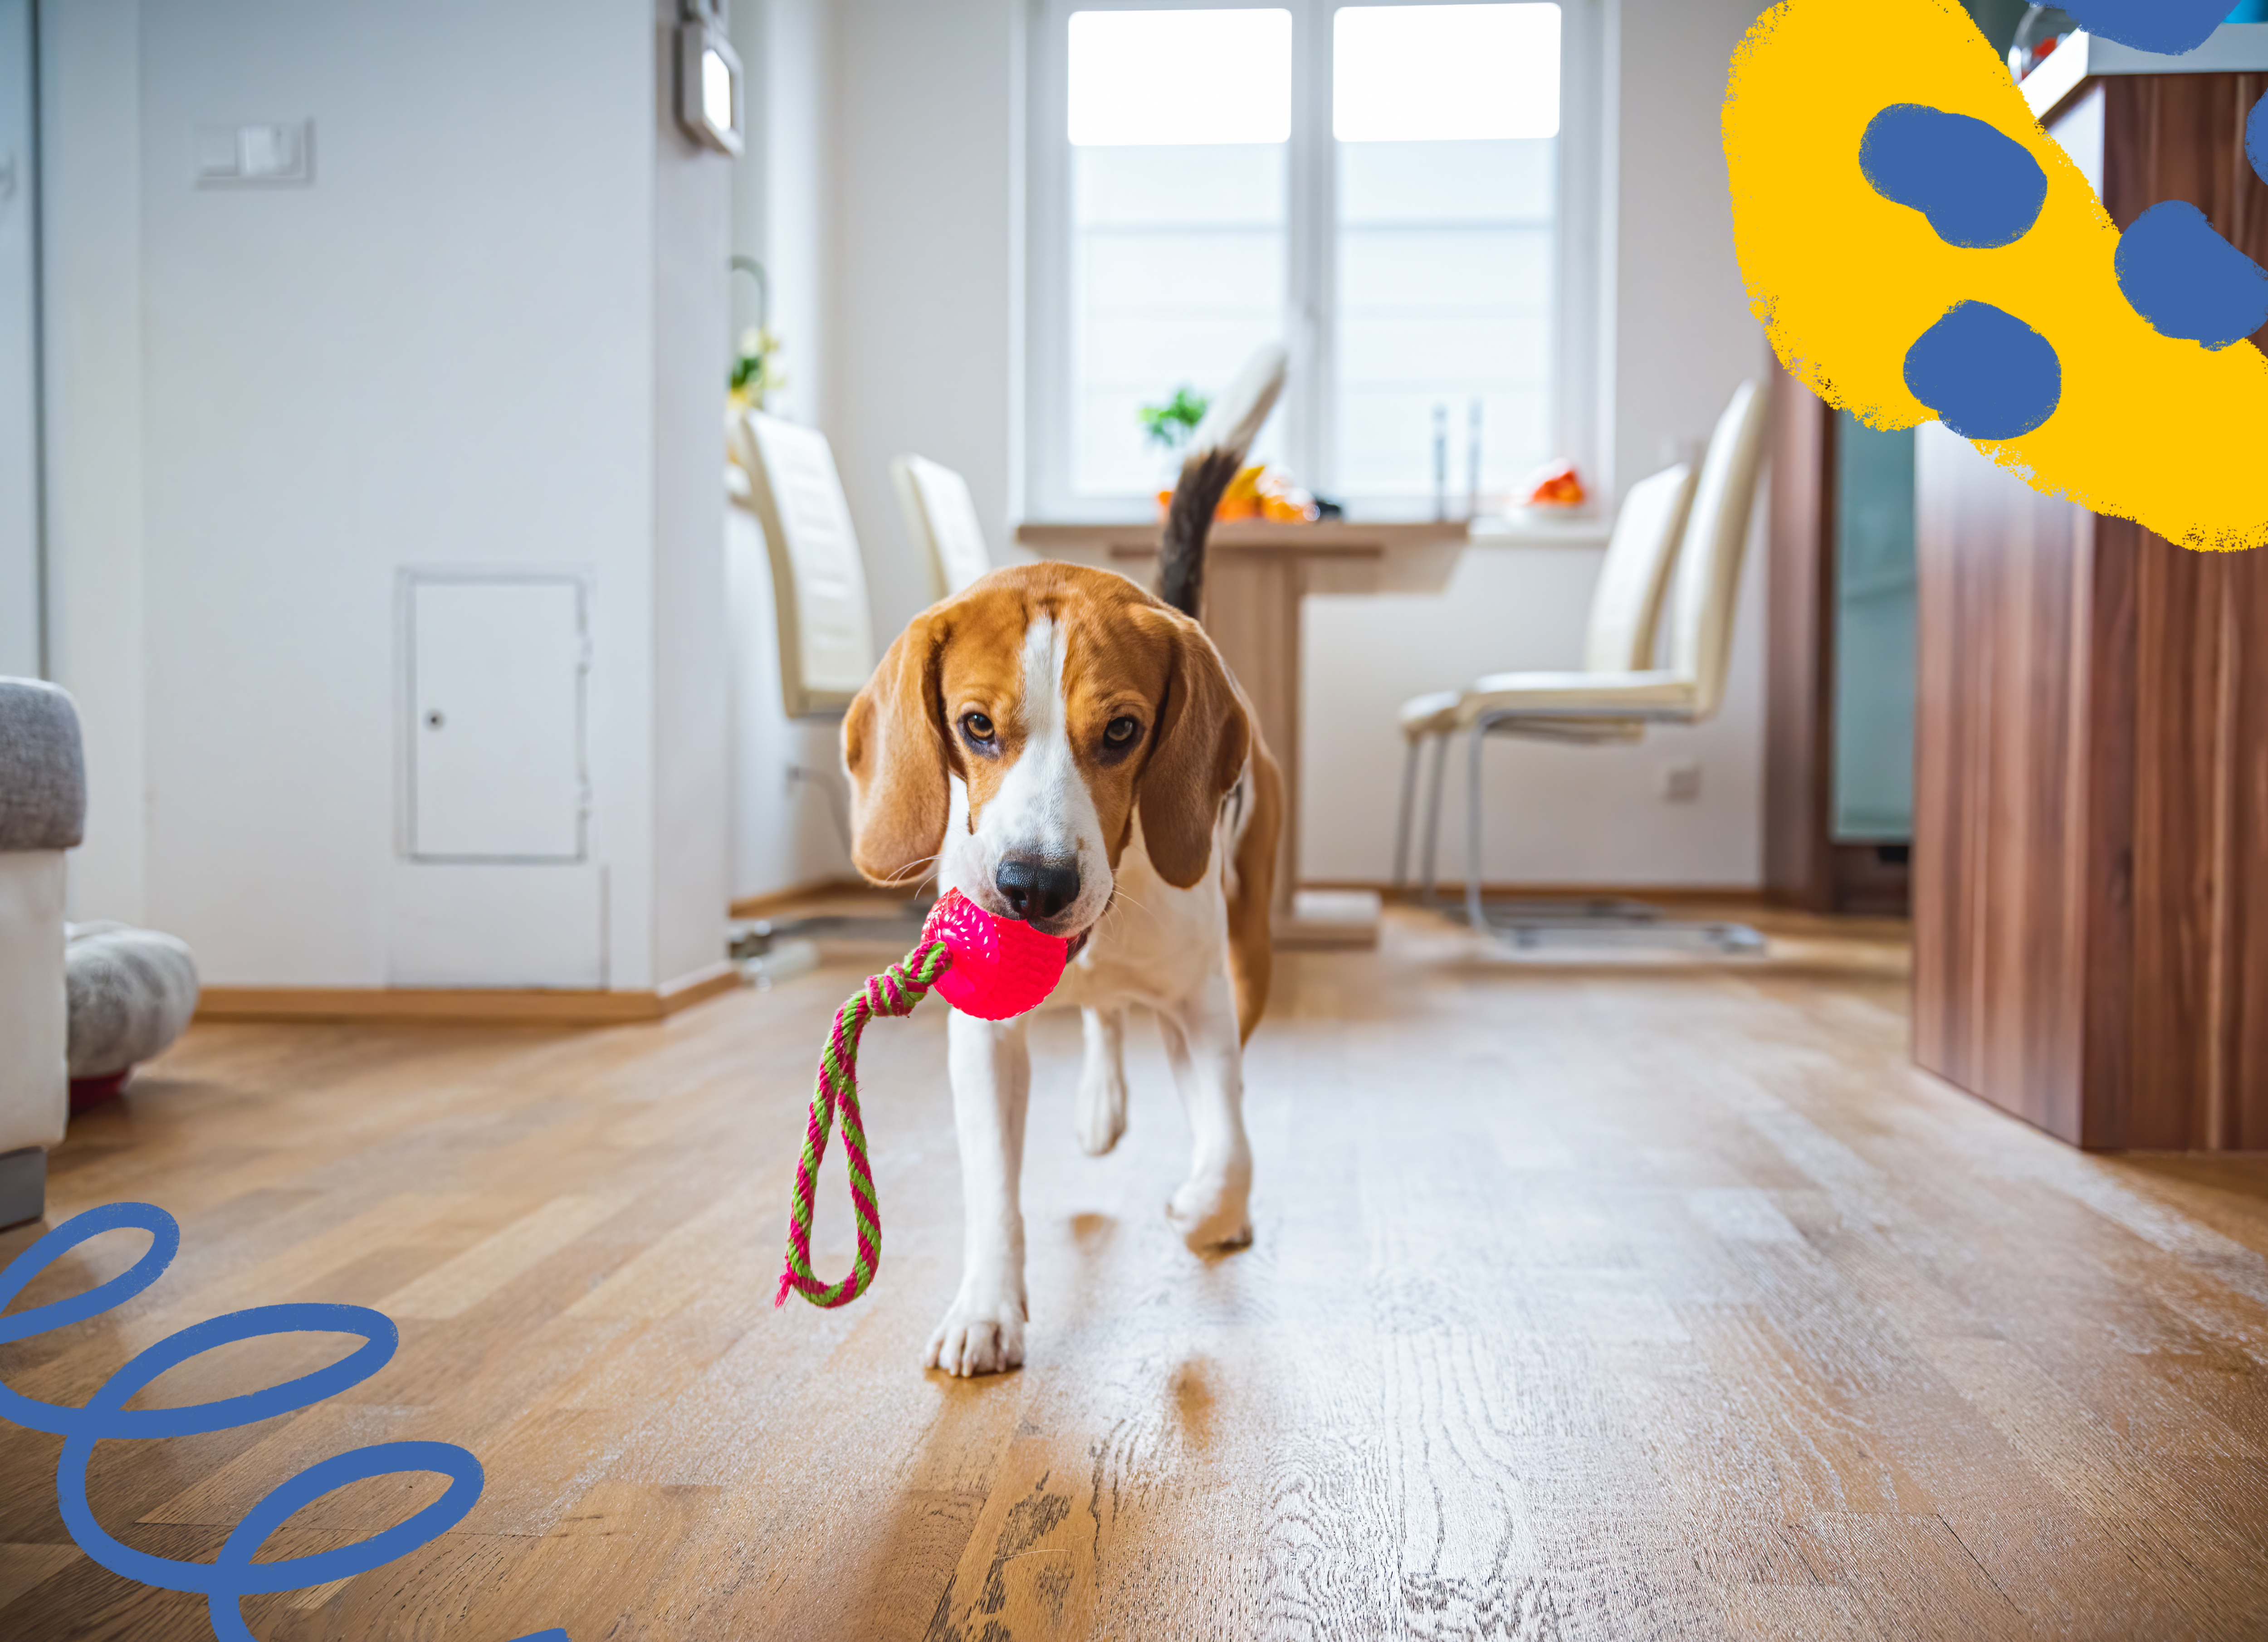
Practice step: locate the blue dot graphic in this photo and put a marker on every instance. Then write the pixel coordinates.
(1977, 185)
(2187, 281)
(1986, 373)
(2168, 26)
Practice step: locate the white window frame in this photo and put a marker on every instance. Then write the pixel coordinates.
(1311, 234)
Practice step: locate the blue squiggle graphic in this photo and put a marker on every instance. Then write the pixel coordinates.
(233, 1575)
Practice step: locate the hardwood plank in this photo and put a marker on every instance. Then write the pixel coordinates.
(24, 1566)
(1625, 1297)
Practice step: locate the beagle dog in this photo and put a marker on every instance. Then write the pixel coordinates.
(1062, 747)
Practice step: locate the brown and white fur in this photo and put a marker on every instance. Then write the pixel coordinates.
(1059, 746)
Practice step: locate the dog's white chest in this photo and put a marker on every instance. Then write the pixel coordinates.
(1156, 944)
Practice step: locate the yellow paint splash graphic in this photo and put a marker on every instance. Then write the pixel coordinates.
(2163, 432)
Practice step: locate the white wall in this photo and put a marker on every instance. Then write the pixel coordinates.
(469, 343)
(92, 153)
(925, 318)
(19, 513)
(784, 831)
(690, 242)
(779, 187)
(926, 331)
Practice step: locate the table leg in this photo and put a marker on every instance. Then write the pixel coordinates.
(1252, 612)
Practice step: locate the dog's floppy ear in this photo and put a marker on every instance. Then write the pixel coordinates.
(892, 748)
(1197, 756)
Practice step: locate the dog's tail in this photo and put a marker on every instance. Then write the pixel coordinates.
(1216, 454)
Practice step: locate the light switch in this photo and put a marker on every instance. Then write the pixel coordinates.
(256, 156)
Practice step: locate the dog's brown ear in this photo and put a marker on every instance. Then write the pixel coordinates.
(1197, 756)
(892, 748)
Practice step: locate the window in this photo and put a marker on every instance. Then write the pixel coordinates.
(1400, 193)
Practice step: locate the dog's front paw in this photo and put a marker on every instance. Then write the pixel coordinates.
(1210, 1211)
(977, 1338)
(1102, 1109)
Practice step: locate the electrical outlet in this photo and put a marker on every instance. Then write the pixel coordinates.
(256, 156)
(1680, 783)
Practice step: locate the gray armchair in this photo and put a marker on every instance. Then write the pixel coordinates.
(42, 812)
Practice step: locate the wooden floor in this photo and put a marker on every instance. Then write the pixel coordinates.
(1607, 1297)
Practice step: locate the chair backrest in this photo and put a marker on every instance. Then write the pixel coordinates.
(1626, 604)
(942, 516)
(1716, 536)
(819, 584)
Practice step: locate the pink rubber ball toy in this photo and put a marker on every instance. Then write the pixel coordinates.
(1001, 966)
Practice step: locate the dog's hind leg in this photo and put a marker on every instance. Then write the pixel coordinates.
(1102, 1081)
(1211, 1210)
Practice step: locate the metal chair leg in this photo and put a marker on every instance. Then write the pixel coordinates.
(1433, 810)
(1473, 913)
(1409, 798)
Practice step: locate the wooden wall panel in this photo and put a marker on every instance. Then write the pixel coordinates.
(2091, 835)
(1798, 698)
(2106, 800)
(1999, 835)
(2197, 1077)
(2201, 852)
(2178, 814)
(2244, 1122)
(2181, 136)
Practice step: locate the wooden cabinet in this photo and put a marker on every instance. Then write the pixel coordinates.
(1837, 713)
(2091, 828)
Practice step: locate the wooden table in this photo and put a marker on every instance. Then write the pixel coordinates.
(1255, 575)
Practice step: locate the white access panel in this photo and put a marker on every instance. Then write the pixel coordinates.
(496, 766)
(19, 443)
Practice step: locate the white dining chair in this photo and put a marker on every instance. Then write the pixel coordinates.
(942, 516)
(818, 581)
(1617, 693)
(826, 635)
(1618, 638)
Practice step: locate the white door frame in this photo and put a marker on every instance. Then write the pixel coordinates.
(22, 590)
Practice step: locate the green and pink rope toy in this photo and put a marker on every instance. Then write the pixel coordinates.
(982, 964)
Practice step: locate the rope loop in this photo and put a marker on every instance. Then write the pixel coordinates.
(894, 992)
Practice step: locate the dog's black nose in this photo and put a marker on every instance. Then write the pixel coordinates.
(1036, 889)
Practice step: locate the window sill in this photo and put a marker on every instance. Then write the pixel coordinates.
(1534, 528)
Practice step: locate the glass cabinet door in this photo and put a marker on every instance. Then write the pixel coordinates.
(1873, 633)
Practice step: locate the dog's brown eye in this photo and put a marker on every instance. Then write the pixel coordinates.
(1120, 732)
(976, 727)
